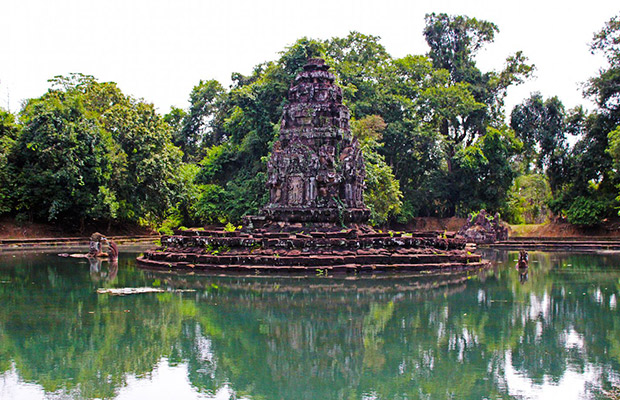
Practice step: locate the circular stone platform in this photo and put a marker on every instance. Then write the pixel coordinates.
(346, 251)
(316, 182)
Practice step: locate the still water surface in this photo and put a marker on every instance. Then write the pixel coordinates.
(490, 334)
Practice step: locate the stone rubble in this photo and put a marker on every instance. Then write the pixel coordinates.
(484, 228)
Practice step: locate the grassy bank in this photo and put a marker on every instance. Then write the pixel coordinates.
(562, 229)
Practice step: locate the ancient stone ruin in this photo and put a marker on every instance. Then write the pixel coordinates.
(316, 171)
(484, 228)
(316, 220)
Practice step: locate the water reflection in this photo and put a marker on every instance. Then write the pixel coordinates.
(489, 334)
(102, 270)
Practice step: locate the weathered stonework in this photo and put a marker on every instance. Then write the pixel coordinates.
(316, 219)
(344, 251)
(484, 228)
(316, 171)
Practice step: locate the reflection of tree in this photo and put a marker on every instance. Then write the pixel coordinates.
(5, 351)
(569, 319)
(309, 344)
(279, 348)
(62, 335)
(374, 324)
(421, 344)
(315, 337)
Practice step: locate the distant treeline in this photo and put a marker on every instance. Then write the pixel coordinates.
(432, 127)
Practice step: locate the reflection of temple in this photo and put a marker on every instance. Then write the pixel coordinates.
(316, 171)
(315, 219)
(304, 338)
(379, 336)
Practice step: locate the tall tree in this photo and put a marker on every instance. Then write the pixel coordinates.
(590, 196)
(382, 194)
(87, 151)
(409, 94)
(542, 126)
(9, 130)
(196, 130)
(453, 42)
(473, 101)
(359, 62)
(585, 186)
(484, 172)
(605, 87)
(61, 156)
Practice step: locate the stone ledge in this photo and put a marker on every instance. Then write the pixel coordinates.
(326, 214)
(348, 251)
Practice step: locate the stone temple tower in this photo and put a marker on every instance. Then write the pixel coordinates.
(315, 219)
(316, 171)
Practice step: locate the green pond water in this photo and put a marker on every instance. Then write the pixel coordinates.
(488, 334)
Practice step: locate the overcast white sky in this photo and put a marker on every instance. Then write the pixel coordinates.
(159, 49)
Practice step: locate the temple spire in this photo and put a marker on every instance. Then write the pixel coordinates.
(316, 171)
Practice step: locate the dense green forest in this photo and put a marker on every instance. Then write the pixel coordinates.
(435, 134)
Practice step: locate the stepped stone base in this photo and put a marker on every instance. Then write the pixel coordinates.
(328, 214)
(316, 181)
(344, 251)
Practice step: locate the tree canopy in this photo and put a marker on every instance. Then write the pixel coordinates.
(87, 151)
(432, 128)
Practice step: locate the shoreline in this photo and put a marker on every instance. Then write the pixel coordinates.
(572, 244)
(550, 236)
(24, 244)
